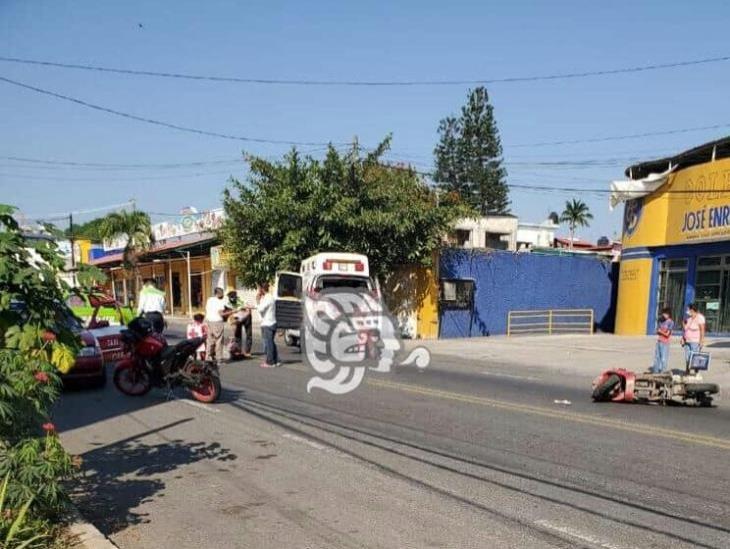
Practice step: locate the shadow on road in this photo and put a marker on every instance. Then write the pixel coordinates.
(121, 476)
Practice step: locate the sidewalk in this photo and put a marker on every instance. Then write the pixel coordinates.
(584, 355)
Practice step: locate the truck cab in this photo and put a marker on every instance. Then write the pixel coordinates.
(316, 273)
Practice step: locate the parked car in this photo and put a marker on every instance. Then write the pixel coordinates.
(89, 367)
(105, 318)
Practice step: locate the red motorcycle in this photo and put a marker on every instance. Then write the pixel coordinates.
(151, 362)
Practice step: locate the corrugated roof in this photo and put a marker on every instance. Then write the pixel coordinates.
(698, 155)
(181, 242)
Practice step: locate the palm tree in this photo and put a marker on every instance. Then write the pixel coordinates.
(575, 214)
(136, 229)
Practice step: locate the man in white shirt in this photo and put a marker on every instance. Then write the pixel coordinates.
(152, 305)
(266, 308)
(216, 312)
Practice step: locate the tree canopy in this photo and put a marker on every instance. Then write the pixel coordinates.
(468, 156)
(576, 214)
(290, 209)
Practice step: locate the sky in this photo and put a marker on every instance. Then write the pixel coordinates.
(377, 40)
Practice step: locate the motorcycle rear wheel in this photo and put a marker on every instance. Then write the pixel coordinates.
(209, 388)
(132, 380)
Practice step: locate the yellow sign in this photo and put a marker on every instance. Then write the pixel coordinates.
(633, 296)
(693, 206)
(218, 258)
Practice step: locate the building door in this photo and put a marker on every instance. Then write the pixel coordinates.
(176, 291)
(709, 290)
(672, 285)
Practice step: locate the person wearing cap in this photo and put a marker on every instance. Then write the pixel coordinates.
(240, 318)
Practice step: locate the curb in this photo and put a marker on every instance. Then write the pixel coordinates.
(85, 535)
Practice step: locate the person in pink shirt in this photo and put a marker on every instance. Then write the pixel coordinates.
(197, 328)
(664, 337)
(694, 332)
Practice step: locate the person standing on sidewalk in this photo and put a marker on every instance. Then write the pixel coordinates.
(216, 312)
(664, 337)
(240, 318)
(693, 338)
(266, 307)
(152, 305)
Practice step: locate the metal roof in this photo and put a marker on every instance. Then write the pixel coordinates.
(714, 150)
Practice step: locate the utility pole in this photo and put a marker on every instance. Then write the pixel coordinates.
(73, 252)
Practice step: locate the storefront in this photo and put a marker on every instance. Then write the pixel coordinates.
(676, 240)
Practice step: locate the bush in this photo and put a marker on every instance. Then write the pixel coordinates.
(34, 349)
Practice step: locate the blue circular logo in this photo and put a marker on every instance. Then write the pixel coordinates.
(632, 215)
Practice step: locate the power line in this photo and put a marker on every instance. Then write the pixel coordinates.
(157, 122)
(64, 215)
(623, 137)
(372, 83)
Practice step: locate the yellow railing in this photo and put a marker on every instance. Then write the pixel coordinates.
(550, 321)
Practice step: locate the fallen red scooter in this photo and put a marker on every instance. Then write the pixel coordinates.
(684, 386)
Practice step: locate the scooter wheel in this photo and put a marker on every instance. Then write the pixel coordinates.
(701, 388)
(603, 391)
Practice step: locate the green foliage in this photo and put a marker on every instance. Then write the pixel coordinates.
(135, 227)
(576, 214)
(91, 230)
(293, 208)
(36, 342)
(88, 277)
(469, 156)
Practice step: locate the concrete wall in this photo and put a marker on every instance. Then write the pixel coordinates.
(499, 224)
(506, 281)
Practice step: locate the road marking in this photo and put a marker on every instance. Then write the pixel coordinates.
(205, 407)
(303, 440)
(577, 534)
(500, 374)
(576, 417)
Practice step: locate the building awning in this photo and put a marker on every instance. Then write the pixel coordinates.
(167, 249)
(627, 189)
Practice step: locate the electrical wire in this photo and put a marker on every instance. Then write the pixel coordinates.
(157, 122)
(369, 83)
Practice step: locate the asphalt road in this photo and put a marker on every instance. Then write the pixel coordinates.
(457, 455)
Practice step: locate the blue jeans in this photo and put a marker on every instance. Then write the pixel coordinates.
(267, 335)
(690, 348)
(661, 357)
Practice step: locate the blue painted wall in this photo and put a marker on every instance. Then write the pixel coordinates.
(506, 281)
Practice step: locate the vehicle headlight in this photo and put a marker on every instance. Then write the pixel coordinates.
(90, 351)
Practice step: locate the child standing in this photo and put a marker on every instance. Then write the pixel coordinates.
(197, 328)
(664, 336)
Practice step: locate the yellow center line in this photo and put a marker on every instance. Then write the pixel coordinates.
(575, 417)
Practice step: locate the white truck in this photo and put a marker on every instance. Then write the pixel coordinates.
(316, 273)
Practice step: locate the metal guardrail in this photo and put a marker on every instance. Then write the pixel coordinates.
(550, 321)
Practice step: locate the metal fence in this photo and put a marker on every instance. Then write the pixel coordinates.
(550, 321)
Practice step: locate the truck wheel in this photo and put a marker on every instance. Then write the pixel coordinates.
(701, 388)
(603, 391)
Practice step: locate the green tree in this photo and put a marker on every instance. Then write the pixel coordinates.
(91, 230)
(35, 344)
(576, 214)
(299, 206)
(468, 156)
(135, 228)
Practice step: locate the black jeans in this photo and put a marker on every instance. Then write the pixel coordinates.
(157, 321)
(267, 334)
(245, 324)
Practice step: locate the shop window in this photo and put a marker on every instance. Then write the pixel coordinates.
(712, 292)
(709, 261)
(457, 294)
(672, 285)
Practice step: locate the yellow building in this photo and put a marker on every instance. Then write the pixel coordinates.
(676, 240)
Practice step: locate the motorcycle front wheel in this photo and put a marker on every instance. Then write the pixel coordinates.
(132, 380)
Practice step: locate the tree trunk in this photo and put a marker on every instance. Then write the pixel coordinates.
(572, 233)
